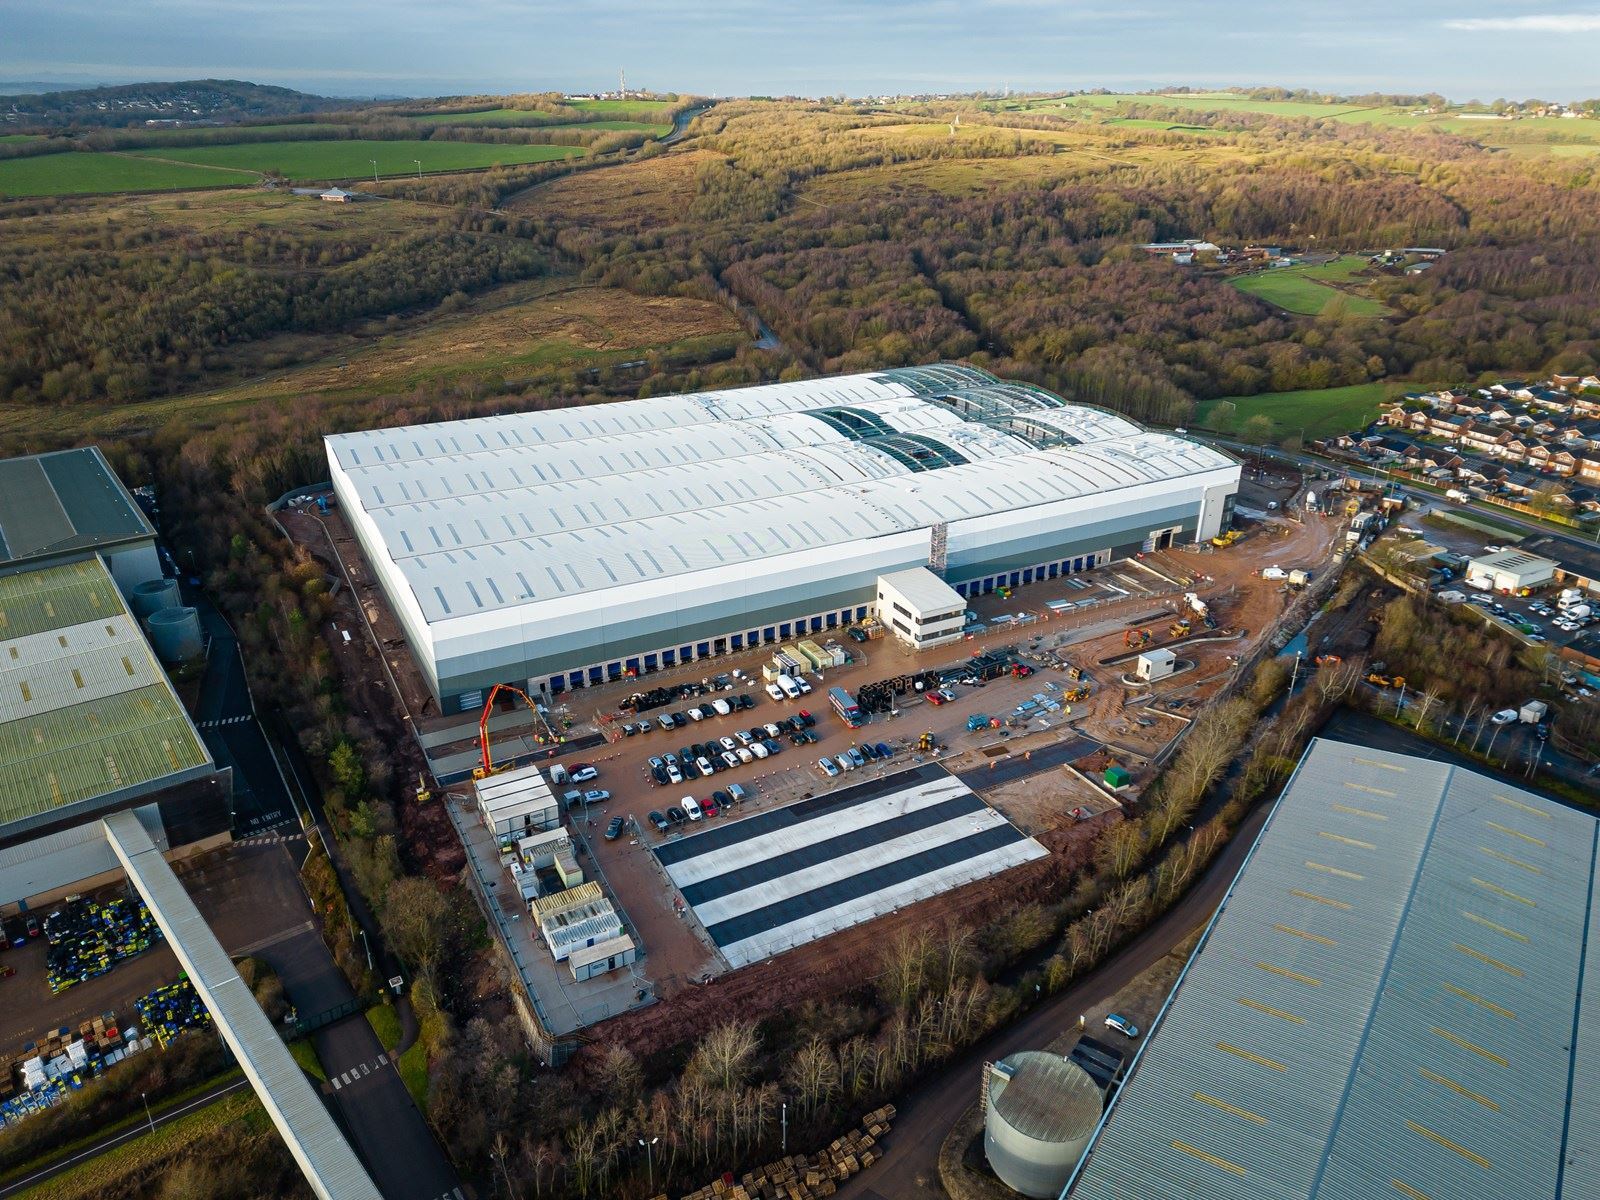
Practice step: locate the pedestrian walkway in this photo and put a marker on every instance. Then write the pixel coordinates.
(356, 1073)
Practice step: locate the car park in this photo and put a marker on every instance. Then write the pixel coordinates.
(659, 820)
(745, 701)
(691, 808)
(829, 768)
(613, 829)
(583, 773)
(729, 744)
(728, 757)
(1122, 1025)
(676, 815)
(746, 754)
(597, 796)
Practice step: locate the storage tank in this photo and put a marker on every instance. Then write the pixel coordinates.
(1042, 1110)
(152, 596)
(175, 634)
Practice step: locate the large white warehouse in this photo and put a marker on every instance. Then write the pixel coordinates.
(562, 548)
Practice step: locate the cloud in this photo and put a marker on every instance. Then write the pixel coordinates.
(1533, 23)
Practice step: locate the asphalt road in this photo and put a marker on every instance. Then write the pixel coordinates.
(910, 1167)
(227, 722)
(114, 1140)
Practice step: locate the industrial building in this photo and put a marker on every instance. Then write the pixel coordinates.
(1395, 999)
(562, 548)
(923, 610)
(70, 505)
(1509, 571)
(1039, 1112)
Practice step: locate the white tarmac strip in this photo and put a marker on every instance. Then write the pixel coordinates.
(797, 933)
(809, 832)
(847, 866)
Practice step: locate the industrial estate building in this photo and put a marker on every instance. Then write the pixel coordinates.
(563, 548)
(89, 723)
(1511, 571)
(1396, 999)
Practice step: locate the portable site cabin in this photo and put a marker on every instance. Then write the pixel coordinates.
(602, 957)
(517, 803)
(553, 849)
(1154, 665)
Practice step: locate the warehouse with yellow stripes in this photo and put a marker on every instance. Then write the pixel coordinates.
(1398, 998)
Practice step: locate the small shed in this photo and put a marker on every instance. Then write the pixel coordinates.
(1154, 665)
(602, 957)
(1117, 778)
(338, 196)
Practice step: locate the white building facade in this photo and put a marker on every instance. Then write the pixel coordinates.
(564, 548)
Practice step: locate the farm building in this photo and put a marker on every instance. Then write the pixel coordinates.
(1510, 571)
(1395, 999)
(562, 548)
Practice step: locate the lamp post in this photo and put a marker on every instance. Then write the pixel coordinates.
(147, 1115)
(785, 1124)
(418, 163)
(374, 163)
(649, 1159)
(367, 947)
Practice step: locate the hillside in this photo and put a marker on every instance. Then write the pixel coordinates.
(194, 100)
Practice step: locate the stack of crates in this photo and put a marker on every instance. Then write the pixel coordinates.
(168, 1011)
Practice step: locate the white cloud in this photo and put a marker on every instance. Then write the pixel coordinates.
(1533, 23)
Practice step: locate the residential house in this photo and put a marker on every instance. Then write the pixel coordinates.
(1516, 450)
(1588, 470)
(1522, 483)
(1483, 438)
(1543, 457)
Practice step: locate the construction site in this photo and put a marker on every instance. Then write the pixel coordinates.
(1052, 711)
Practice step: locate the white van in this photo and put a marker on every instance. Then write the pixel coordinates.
(722, 706)
(691, 808)
(790, 688)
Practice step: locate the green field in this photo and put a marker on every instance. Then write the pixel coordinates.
(19, 137)
(1322, 412)
(489, 116)
(74, 174)
(1303, 290)
(353, 159)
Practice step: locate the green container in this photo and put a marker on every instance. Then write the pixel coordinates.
(1117, 777)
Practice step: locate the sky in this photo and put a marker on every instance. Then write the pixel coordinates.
(1465, 49)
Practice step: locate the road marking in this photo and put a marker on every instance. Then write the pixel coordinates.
(1466, 1045)
(1339, 904)
(365, 1070)
(383, 1060)
(1210, 1158)
(1424, 1131)
(1480, 1001)
(337, 1083)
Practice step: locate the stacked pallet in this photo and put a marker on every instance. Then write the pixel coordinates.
(807, 1177)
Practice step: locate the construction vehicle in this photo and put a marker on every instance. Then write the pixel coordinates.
(1179, 629)
(1224, 540)
(423, 794)
(976, 722)
(1135, 637)
(1327, 660)
(543, 734)
(1385, 681)
(927, 741)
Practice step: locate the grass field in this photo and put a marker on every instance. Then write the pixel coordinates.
(74, 174)
(1322, 412)
(1305, 290)
(19, 137)
(353, 159)
(489, 116)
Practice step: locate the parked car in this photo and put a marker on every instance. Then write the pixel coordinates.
(936, 698)
(1122, 1025)
(705, 766)
(774, 691)
(664, 721)
(722, 706)
(884, 750)
(691, 808)
(738, 793)
(846, 763)
(729, 744)
(757, 749)
(679, 720)
(744, 736)
(674, 775)
(771, 729)
(744, 700)
(655, 762)
(627, 729)
(1504, 717)
(724, 799)
(828, 767)
(746, 754)
(728, 757)
(583, 773)
(696, 715)
(868, 751)
(709, 806)
(856, 757)
(676, 815)
(807, 718)
(658, 776)
(596, 796)
(770, 745)
(613, 829)
(658, 820)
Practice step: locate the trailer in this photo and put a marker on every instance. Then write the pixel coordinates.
(845, 705)
(1533, 712)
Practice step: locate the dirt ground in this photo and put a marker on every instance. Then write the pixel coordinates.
(1132, 729)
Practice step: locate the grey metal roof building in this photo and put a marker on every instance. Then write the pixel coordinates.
(1398, 998)
(68, 505)
(565, 547)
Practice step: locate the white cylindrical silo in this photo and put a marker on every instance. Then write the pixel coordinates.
(154, 595)
(1042, 1111)
(175, 634)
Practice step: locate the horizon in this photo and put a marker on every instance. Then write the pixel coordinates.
(409, 48)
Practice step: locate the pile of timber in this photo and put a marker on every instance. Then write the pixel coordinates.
(803, 1176)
